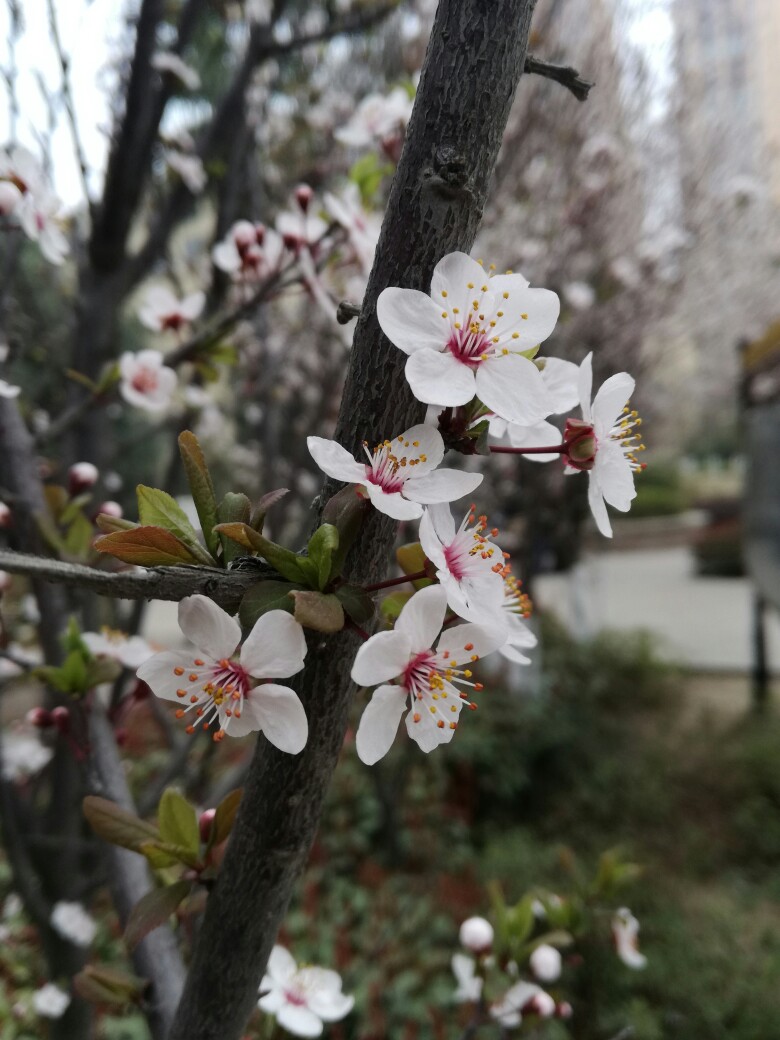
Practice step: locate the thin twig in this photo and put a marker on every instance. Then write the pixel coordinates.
(564, 74)
(67, 98)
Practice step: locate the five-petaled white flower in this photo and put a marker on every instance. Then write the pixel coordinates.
(377, 118)
(521, 997)
(470, 336)
(301, 999)
(130, 651)
(607, 443)
(36, 207)
(427, 679)
(146, 381)
(73, 923)
(470, 567)
(625, 932)
(398, 477)
(50, 1001)
(162, 309)
(211, 684)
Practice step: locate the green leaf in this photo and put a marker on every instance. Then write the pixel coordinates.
(101, 985)
(109, 524)
(392, 605)
(357, 603)
(520, 920)
(346, 511)
(178, 821)
(411, 560)
(146, 547)
(265, 596)
(287, 563)
(322, 545)
(165, 854)
(318, 610)
(73, 673)
(78, 537)
(153, 910)
(158, 508)
(225, 817)
(201, 487)
(234, 509)
(262, 507)
(115, 825)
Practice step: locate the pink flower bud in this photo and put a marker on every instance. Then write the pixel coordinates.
(564, 1010)
(60, 718)
(581, 440)
(292, 242)
(303, 196)
(542, 1005)
(39, 717)
(259, 234)
(476, 934)
(244, 234)
(205, 821)
(111, 508)
(81, 477)
(545, 963)
(6, 517)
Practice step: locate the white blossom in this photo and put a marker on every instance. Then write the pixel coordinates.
(130, 651)
(161, 309)
(73, 923)
(625, 931)
(302, 998)
(362, 226)
(545, 963)
(249, 252)
(50, 1001)
(211, 684)
(476, 934)
(400, 475)
(376, 118)
(23, 755)
(146, 381)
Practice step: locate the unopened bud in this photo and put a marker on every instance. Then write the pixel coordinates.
(244, 234)
(542, 1004)
(476, 934)
(259, 234)
(545, 963)
(205, 820)
(581, 444)
(10, 197)
(564, 1010)
(60, 718)
(81, 477)
(39, 717)
(6, 517)
(303, 196)
(292, 242)
(111, 508)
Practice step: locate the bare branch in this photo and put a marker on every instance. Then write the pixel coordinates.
(564, 74)
(67, 98)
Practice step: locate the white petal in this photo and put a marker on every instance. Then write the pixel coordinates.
(392, 503)
(278, 712)
(379, 723)
(542, 308)
(483, 641)
(432, 544)
(512, 387)
(382, 657)
(158, 673)
(411, 320)
(561, 379)
(299, 1021)
(452, 276)
(425, 440)
(501, 283)
(425, 733)
(615, 478)
(331, 1007)
(281, 964)
(440, 516)
(335, 460)
(540, 435)
(597, 507)
(610, 400)
(585, 386)
(445, 485)
(511, 653)
(208, 627)
(192, 305)
(275, 648)
(422, 617)
(273, 999)
(439, 378)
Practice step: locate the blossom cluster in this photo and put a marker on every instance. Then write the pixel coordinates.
(27, 198)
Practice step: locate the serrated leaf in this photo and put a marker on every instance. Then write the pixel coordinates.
(178, 821)
(146, 547)
(201, 487)
(265, 596)
(115, 825)
(287, 563)
(318, 610)
(322, 545)
(225, 816)
(159, 509)
(392, 605)
(345, 511)
(266, 502)
(234, 508)
(153, 910)
(357, 603)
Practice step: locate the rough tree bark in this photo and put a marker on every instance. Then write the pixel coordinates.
(474, 61)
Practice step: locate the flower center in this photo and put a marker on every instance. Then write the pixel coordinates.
(470, 552)
(172, 321)
(294, 997)
(389, 469)
(214, 689)
(470, 345)
(431, 680)
(145, 380)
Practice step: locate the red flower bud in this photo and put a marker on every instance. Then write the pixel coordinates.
(81, 477)
(6, 517)
(60, 718)
(39, 717)
(303, 196)
(205, 820)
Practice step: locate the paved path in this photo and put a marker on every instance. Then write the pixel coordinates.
(702, 622)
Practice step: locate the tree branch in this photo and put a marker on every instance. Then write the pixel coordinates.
(67, 98)
(170, 583)
(474, 60)
(564, 74)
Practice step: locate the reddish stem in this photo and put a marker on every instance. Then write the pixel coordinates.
(417, 576)
(557, 449)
